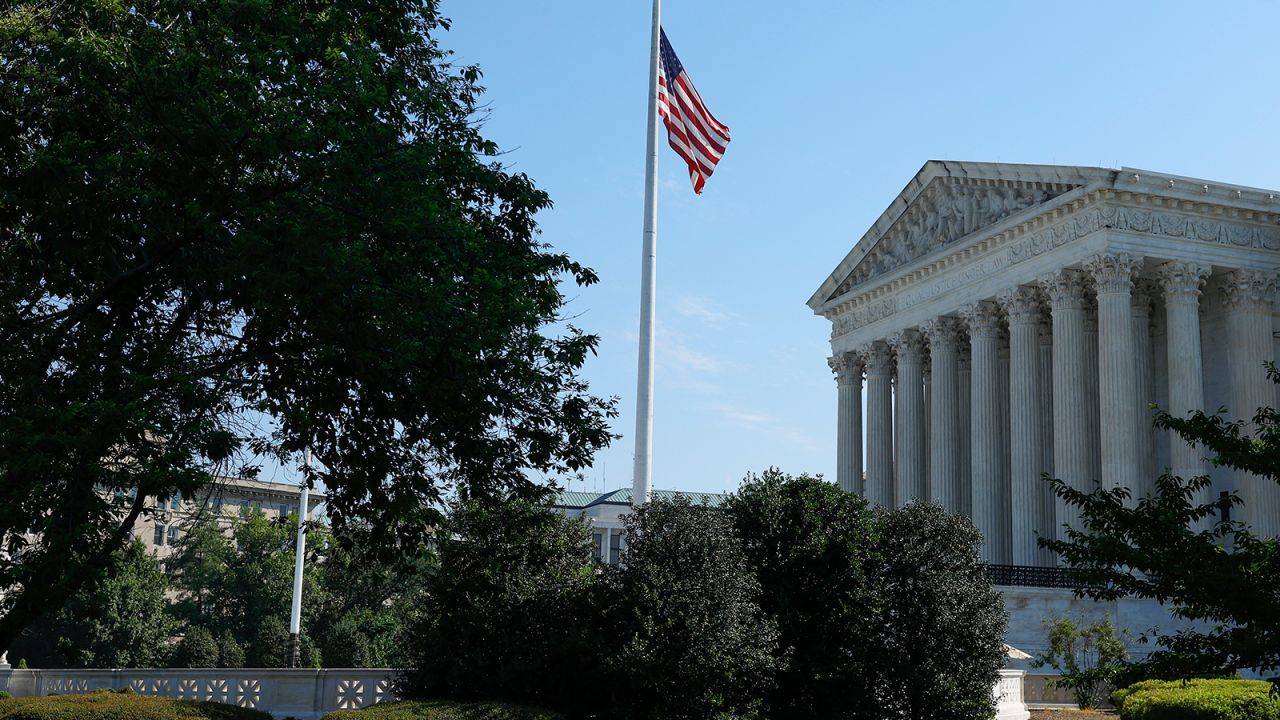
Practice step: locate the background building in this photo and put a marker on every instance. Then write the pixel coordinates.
(224, 498)
(604, 511)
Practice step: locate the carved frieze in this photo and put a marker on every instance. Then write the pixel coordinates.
(945, 212)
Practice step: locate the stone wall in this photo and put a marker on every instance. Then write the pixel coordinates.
(305, 694)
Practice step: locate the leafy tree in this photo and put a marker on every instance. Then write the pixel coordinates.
(232, 229)
(196, 649)
(939, 635)
(1171, 547)
(230, 653)
(814, 550)
(506, 614)
(685, 605)
(123, 621)
(1089, 658)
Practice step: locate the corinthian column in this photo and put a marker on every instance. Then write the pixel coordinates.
(879, 484)
(910, 449)
(1070, 423)
(1117, 381)
(963, 393)
(1046, 525)
(848, 370)
(1144, 431)
(1248, 296)
(1023, 309)
(944, 422)
(1182, 283)
(983, 321)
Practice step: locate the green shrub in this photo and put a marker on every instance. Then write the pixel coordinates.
(121, 706)
(1088, 658)
(440, 710)
(1197, 700)
(5, 694)
(197, 649)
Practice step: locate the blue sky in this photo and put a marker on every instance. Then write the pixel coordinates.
(833, 107)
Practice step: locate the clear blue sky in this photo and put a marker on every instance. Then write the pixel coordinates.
(833, 107)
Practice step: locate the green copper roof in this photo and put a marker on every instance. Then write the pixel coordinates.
(622, 496)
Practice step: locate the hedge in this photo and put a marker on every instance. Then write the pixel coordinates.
(1197, 700)
(110, 705)
(442, 710)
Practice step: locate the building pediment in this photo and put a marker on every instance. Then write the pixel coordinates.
(948, 203)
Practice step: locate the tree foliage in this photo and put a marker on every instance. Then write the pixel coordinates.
(940, 633)
(1187, 554)
(815, 550)
(505, 613)
(1089, 658)
(693, 641)
(123, 621)
(232, 229)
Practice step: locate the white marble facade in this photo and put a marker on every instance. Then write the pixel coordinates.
(999, 321)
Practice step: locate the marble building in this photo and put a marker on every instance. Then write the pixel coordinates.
(999, 321)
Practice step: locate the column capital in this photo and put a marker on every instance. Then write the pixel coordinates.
(1065, 289)
(1112, 272)
(847, 368)
(983, 319)
(1249, 289)
(1181, 281)
(1022, 305)
(908, 345)
(878, 358)
(943, 333)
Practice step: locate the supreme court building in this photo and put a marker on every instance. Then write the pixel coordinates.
(1007, 320)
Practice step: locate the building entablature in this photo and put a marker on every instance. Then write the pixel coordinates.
(880, 288)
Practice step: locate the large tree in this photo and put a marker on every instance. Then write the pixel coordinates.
(239, 228)
(1188, 554)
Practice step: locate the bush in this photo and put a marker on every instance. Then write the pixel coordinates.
(440, 710)
(685, 606)
(1197, 700)
(939, 639)
(1088, 658)
(196, 649)
(107, 705)
(507, 614)
(230, 654)
(813, 546)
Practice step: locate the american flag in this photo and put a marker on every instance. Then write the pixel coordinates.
(691, 130)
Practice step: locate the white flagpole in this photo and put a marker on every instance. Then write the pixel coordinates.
(642, 478)
(295, 612)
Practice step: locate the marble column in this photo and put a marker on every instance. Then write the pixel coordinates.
(964, 392)
(879, 482)
(1117, 381)
(1022, 307)
(1071, 424)
(1004, 518)
(926, 371)
(909, 451)
(944, 409)
(1045, 522)
(1182, 283)
(1092, 411)
(1144, 385)
(1248, 296)
(848, 369)
(983, 321)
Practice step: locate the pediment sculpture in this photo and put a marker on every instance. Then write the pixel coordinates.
(945, 212)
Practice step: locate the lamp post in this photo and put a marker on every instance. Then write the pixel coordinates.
(295, 613)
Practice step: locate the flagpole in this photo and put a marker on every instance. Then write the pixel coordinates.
(295, 611)
(642, 477)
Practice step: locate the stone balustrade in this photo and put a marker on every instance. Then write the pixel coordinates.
(305, 694)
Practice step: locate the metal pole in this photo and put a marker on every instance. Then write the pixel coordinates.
(642, 477)
(295, 613)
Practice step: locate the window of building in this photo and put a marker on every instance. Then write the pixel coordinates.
(217, 504)
(159, 536)
(175, 502)
(597, 541)
(173, 534)
(615, 548)
(284, 510)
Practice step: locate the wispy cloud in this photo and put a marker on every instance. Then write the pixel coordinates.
(700, 308)
(765, 424)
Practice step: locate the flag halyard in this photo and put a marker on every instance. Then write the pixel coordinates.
(692, 131)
